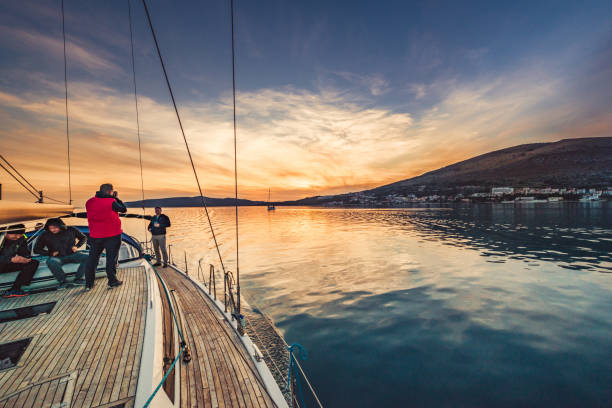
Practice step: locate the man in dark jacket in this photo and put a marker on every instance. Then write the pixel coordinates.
(61, 244)
(104, 234)
(15, 256)
(157, 227)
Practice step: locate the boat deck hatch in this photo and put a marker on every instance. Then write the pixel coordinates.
(10, 353)
(25, 312)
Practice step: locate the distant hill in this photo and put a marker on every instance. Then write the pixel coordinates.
(584, 162)
(191, 202)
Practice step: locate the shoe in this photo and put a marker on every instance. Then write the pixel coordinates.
(88, 288)
(64, 285)
(157, 264)
(14, 293)
(165, 264)
(115, 284)
(79, 282)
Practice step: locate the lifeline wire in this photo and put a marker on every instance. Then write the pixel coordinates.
(66, 103)
(195, 173)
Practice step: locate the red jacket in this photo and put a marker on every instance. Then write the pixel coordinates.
(103, 217)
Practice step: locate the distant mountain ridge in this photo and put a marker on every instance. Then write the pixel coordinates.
(191, 202)
(580, 162)
(585, 161)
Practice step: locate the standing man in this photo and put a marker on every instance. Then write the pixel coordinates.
(15, 256)
(61, 243)
(104, 234)
(157, 227)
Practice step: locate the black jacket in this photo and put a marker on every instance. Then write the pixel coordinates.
(118, 205)
(61, 242)
(9, 249)
(163, 221)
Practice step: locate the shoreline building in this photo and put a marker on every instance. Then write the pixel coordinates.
(498, 191)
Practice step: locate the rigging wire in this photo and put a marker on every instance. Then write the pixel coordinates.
(137, 115)
(235, 152)
(57, 201)
(19, 174)
(66, 104)
(19, 181)
(195, 173)
(25, 183)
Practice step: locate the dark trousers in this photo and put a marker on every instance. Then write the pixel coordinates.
(97, 245)
(55, 263)
(27, 271)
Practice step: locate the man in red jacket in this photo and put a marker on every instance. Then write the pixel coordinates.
(104, 234)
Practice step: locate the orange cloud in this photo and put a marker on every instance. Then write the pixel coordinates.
(294, 141)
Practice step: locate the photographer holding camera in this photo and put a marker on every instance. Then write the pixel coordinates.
(104, 234)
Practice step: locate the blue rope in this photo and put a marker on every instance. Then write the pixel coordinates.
(292, 362)
(164, 379)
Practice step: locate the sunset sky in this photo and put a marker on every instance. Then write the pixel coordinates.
(333, 96)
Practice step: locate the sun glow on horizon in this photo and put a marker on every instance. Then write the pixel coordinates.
(340, 132)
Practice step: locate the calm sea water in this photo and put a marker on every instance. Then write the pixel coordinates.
(480, 305)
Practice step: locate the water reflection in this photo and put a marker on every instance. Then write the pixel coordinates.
(575, 235)
(486, 305)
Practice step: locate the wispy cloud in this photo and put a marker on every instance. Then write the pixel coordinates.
(418, 90)
(375, 84)
(79, 54)
(298, 142)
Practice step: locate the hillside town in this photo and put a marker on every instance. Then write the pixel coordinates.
(505, 195)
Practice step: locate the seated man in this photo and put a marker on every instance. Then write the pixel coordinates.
(15, 256)
(61, 243)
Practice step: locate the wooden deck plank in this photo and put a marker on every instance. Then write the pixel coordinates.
(98, 334)
(138, 352)
(222, 362)
(114, 390)
(46, 343)
(115, 370)
(42, 343)
(105, 350)
(112, 363)
(63, 344)
(221, 369)
(135, 350)
(236, 366)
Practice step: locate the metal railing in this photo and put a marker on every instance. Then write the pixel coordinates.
(295, 369)
(170, 258)
(212, 279)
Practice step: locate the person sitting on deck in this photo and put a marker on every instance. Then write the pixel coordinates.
(157, 227)
(61, 243)
(15, 256)
(104, 234)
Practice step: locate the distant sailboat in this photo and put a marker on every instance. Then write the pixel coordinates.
(270, 205)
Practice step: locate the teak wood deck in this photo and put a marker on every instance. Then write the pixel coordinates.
(85, 353)
(221, 373)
